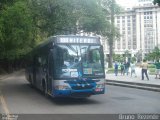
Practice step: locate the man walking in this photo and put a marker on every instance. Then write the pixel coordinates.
(122, 68)
(144, 69)
(157, 64)
(127, 65)
(116, 68)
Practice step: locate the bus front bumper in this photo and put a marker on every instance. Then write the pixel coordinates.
(77, 93)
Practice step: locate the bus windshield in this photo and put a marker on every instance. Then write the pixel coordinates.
(74, 61)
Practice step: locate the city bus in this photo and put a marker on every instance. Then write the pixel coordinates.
(67, 66)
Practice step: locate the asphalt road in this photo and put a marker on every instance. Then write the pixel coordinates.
(17, 97)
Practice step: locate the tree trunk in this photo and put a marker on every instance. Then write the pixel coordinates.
(111, 41)
(110, 55)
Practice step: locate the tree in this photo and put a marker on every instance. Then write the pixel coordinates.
(38, 19)
(154, 55)
(16, 32)
(118, 57)
(111, 33)
(67, 16)
(156, 2)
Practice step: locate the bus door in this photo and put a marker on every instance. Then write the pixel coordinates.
(50, 72)
(37, 72)
(34, 70)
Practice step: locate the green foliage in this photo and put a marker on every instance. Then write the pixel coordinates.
(156, 2)
(152, 71)
(151, 66)
(93, 19)
(119, 58)
(110, 70)
(133, 59)
(67, 16)
(26, 23)
(154, 55)
(15, 31)
(23, 24)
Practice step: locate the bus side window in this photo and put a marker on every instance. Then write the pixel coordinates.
(36, 61)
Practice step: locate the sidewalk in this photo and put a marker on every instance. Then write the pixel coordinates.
(134, 82)
(4, 76)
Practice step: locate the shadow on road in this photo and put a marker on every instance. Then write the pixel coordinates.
(65, 100)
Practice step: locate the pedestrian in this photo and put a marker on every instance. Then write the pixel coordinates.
(127, 65)
(116, 68)
(144, 66)
(122, 68)
(157, 64)
(133, 71)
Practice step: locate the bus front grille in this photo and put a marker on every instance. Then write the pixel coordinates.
(82, 87)
(81, 95)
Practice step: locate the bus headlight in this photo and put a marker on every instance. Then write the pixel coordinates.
(100, 86)
(62, 87)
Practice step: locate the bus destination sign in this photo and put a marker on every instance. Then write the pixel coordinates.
(78, 40)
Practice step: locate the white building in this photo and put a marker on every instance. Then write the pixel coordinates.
(139, 28)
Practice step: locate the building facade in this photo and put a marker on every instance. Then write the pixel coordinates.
(139, 28)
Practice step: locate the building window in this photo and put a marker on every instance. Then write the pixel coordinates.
(118, 21)
(129, 32)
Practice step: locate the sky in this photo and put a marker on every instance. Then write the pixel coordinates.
(127, 3)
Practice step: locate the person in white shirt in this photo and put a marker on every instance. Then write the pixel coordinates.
(133, 71)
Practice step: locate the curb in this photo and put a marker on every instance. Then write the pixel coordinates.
(143, 86)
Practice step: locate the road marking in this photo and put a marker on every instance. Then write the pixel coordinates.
(4, 104)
